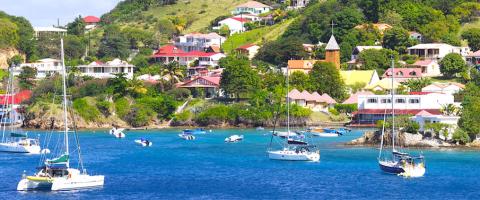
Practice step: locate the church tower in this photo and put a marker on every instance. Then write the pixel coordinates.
(332, 52)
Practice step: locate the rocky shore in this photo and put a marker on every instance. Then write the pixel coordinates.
(373, 138)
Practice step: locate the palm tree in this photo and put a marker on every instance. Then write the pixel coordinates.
(450, 110)
(173, 73)
(136, 87)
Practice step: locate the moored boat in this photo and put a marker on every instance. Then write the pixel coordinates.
(195, 131)
(144, 142)
(186, 136)
(117, 132)
(234, 138)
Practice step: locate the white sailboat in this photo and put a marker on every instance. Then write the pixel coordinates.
(14, 140)
(293, 149)
(56, 173)
(400, 163)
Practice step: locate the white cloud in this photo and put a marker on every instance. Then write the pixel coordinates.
(46, 12)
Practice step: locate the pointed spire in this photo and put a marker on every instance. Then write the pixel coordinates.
(332, 44)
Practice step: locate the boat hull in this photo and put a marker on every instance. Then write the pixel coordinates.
(290, 155)
(325, 134)
(390, 167)
(62, 183)
(143, 143)
(15, 147)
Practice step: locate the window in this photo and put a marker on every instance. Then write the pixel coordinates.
(399, 100)
(372, 100)
(386, 100)
(414, 101)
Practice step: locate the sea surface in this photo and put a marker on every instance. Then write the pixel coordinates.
(208, 168)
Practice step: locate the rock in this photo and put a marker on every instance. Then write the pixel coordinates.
(6, 54)
(372, 138)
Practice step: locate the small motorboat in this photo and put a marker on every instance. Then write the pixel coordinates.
(260, 128)
(186, 136)
(144, 142)
(284, 134)
(234, 138)
(195, 131)
(118, 133)
(325, 132)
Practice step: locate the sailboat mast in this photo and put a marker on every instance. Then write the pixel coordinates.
(393, 106)
(6, 106)
(65, 119)
(288, 106)
(11, 92)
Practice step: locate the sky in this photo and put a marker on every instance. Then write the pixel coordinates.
(46, 12)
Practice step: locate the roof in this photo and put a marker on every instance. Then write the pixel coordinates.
(246, 46)
(18, 98)
(239, 19)
(301, 64)
(357, 76)
(213, 80)
(430, 46)
(305, 95)
(403, 73)
(332, 44)
(474, 54)
(444, 85)
(423, 62)
(49, 29)
(253, 4)
(385, 84)
(172, 51)
(212, 35)
(398, 111)
(328, 99)
(215, 48)
(353, 99)
(91, 19)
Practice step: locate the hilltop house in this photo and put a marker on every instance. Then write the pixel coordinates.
(436, 51)
(416, 36)
(403, 74)
(296, 4)
(45, 67)
(332, 55)
(198, 41)
(252, 7)
(446, 88)
(209, 84)
(249, 50)
(430, 68)
(91, 22)
(234, 24)
(372, 108)
(314, 101)
(39, 31)
(102, 70)
(473, 58)
(365, 77)
(15, 101)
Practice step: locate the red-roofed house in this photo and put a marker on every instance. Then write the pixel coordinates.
(314, 101)
(429, 67)
(403, 74)
(249, 50)
(235, 24)
(15, 101)
(91, 22)
(170, 53)
(252, 7)
(210, 84)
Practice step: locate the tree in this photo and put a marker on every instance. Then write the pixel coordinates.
(473, 38)
(416, 85)
(398, 39)
(299, 80)
(74, 47)
(391, 17)
(461, 136)
(113, 44)
(26, 78)
(466, 11)
(8, 33)
(452, 64)
(137, 37)
(118, 84)
(238, 78)
(280, 51)
(442, 29)
(26, 44)
(470, 115)
(224, 30)
(379, 59)
(77, 27)
(325, 78)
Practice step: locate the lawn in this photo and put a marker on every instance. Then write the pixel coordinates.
(257, 36)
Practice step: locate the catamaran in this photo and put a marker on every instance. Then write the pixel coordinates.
(294, 148)
(13, 139)
(400, 163)
(56, 173)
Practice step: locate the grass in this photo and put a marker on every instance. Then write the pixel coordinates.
(474, 24)
(256, 36)
(319, 117)
(202, 12)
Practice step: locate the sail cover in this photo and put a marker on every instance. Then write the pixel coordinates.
(19, 135)
(60, 160)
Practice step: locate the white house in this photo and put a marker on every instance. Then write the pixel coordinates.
(198, 41)
(38, 31)
(250, 50)
(210, 59)
(405, 102)
(358, 49)
(251, 17)
(446, 88)
(436, 51)
(99, 69)
(416, 36)
(45, 67)
(252, 7)
(425, 117)
(430, 68)
(473, 58)
(235, 24)
(296, 4)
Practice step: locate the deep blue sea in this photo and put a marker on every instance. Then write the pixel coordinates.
(208, 168)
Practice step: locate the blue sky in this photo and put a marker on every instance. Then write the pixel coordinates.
(46, 12)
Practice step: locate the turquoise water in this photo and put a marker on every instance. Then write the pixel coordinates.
(207, 168)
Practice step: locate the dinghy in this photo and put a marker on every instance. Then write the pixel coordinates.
(118, 133)
(144, 142)
(186, 136)
(234, 138)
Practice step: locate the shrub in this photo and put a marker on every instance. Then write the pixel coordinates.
(179, 94)
(333, 111)
(122, 106)
(104, 107)
(85, 110)
(164, 106)
(140, 115)
(214, 115)
(461, 136)
(346, 108)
